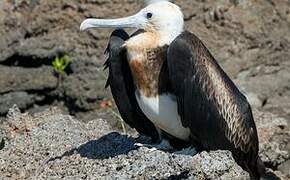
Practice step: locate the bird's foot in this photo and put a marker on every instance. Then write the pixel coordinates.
(164, 145)
(190, 151)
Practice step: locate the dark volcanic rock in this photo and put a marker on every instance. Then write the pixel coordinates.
(250, 39)
(52, 145)
(22, 99)
(2, 141)
(25, 86)
(26, 79)
(274, 136)
(284, 168)
(33, 34)
(80, 89)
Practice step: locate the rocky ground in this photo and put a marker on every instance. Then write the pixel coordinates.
(49, 145)
(249, 38)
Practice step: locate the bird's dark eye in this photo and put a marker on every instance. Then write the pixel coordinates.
(149, 15)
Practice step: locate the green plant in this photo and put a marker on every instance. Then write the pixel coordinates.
(61, 63)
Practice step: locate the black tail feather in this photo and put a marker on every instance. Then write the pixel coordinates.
(255, 168)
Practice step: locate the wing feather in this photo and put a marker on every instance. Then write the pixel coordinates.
(208, 101)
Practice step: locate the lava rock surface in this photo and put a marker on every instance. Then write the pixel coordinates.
(52, 145)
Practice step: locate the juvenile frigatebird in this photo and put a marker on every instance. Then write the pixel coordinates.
(167, 85)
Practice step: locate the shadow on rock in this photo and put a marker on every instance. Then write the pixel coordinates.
(183, 175)
(271, 176)
(108, 146)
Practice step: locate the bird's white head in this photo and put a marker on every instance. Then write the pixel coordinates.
(164, 18)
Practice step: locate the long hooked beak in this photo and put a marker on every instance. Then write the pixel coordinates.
(134, 21)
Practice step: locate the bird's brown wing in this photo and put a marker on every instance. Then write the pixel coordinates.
(209, 103)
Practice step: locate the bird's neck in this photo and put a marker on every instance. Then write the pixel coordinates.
(167, 35)
(153, 39)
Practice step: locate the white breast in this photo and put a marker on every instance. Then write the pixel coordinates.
(162, 111)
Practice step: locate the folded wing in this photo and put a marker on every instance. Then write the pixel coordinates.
(209, 103)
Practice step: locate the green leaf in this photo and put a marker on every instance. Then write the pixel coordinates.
(61, 63)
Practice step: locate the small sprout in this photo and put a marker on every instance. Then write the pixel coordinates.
(61, 63)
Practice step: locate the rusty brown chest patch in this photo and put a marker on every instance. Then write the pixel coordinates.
(146, 69)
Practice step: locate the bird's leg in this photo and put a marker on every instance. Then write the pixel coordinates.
(164, 145)
(190, 151)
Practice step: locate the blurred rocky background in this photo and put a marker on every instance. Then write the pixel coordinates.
(249, 38)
